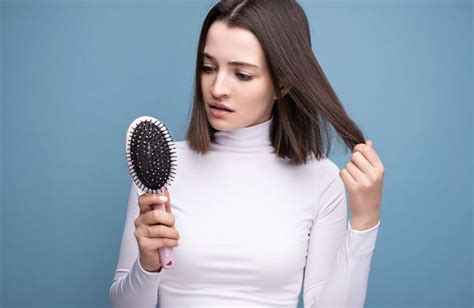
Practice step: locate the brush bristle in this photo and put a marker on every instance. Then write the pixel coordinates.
(151, 155)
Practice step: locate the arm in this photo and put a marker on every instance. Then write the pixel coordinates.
(132, 285)
(338, 260)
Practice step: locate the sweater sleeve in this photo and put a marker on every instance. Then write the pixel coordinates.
(338, 260)
(132, 285)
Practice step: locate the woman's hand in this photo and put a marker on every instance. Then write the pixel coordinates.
(154, 229)
(363, 179)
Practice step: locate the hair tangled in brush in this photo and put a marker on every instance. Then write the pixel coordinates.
(150, 154)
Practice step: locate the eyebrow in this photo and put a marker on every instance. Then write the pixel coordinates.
(235, 63)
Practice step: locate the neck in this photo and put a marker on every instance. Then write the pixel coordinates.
(251, 139)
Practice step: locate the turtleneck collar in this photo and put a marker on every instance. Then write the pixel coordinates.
(252, 139)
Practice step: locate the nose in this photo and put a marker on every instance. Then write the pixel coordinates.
(218, 88)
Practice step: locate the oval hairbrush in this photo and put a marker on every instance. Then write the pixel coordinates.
(151, 159)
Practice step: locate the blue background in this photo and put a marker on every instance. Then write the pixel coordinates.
(75, 74)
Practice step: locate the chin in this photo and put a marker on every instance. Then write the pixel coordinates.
(219, 125)
(222, 125)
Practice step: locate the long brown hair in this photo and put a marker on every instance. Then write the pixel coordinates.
(307, 109)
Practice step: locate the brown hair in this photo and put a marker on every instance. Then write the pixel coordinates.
(307, 108)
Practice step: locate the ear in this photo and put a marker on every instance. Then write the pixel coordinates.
(284, 91)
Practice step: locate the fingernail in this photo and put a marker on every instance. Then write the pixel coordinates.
(163, 198)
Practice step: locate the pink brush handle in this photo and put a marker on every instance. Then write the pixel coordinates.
(166, 253)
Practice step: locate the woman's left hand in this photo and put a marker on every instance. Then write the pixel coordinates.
(363, 179)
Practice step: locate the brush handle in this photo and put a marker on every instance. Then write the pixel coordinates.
(166, 253)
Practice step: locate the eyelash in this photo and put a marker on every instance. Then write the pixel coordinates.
(206, 70)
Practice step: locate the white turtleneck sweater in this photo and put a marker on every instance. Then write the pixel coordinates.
(254, 231)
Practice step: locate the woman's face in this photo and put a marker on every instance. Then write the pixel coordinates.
(244, 86)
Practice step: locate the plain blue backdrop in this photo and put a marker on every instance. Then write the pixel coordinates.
(75, 74)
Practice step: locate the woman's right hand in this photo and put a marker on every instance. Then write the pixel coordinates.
(161, 228)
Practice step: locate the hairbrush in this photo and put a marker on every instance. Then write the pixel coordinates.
(151, 158)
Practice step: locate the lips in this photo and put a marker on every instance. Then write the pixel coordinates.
(220, 107)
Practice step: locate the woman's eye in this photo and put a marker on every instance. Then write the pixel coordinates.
(207, 69)
(244, 77)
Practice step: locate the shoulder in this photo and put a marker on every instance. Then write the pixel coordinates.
(328, 180)
(181, 144)
(331, 170)
(332, 186)
(184, 153)
(325, 169)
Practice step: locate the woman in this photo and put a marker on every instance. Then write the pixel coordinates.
(257, 208)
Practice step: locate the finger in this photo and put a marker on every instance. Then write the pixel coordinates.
(158, 217)
(347, 177)
(146, 201)
(361, 162)
(369, 154)
(155, 231)
(152, 244)
(355, 172)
